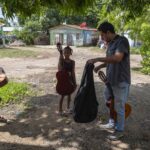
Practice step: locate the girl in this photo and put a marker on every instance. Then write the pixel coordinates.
(67, 64)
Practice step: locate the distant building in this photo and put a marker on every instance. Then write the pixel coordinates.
(73, 35)
(6, 32)
(133, 43)
(10, 29)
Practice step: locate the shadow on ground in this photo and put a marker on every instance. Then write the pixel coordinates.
(40, 128)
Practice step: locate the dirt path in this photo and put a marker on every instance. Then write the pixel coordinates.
(35, 125)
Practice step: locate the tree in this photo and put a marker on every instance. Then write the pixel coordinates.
(90, 17)
(137, 27)
(115, 16)
(50, 18)
(145, 49)
(29, 32)
(26, 8)
(53, 17)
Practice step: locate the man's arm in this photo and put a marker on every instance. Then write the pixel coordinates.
(116, 58)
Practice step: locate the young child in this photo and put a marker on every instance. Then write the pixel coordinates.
(67, 64)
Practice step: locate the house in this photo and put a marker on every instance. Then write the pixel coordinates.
(73, 35)
(6, 34)
(11, 29)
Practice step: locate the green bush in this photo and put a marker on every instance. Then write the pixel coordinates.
(14, 92)
(29, 32)
(145, 49)
(135, 50)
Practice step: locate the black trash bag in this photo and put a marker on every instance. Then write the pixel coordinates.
(85, 103)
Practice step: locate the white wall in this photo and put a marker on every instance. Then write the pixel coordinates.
(131, 42)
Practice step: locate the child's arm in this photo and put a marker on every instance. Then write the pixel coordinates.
(60, 62)
(61, 58)
(73, 74)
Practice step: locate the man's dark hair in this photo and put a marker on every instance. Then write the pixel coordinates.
(106, 26)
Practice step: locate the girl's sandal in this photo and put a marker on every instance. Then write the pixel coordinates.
(63, 114)
(69, 111)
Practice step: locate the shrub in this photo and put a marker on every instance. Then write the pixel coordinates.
(145, 49)
(14, 92)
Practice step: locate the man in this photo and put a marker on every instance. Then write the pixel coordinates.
(117, 63)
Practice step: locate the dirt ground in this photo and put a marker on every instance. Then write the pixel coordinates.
(36, 126)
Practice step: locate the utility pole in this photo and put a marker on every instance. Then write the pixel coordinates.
(1, 27)
(2, 34)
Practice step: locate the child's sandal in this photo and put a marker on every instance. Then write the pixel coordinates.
(59, 113)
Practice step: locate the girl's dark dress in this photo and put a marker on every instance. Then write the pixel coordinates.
(68, 66)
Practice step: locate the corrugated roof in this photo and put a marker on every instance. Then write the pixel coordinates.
(74, 26)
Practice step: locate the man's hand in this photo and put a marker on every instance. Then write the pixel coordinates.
(59, 47)
(91, 61)
(97, 68)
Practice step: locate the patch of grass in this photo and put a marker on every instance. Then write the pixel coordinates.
(135, 50)
(138, 69)
(14, 92)
(141, 70)
(17, 53)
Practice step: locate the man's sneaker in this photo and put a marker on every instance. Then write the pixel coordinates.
(115, 136)
(109, 125)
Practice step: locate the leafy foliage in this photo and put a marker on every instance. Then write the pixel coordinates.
(145, 49)
(139, 29)
(29, 32)
(26, 8)
(116, 17)
(136, 24)
(135, 50)
(50, 18)
(133, 7)
(53, 17)
(13, 92)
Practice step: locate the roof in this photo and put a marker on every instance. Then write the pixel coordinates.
(74, 26)
(9, 29)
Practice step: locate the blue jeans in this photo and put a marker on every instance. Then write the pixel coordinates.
(120, 92)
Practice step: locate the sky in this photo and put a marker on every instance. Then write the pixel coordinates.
(11, 21)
